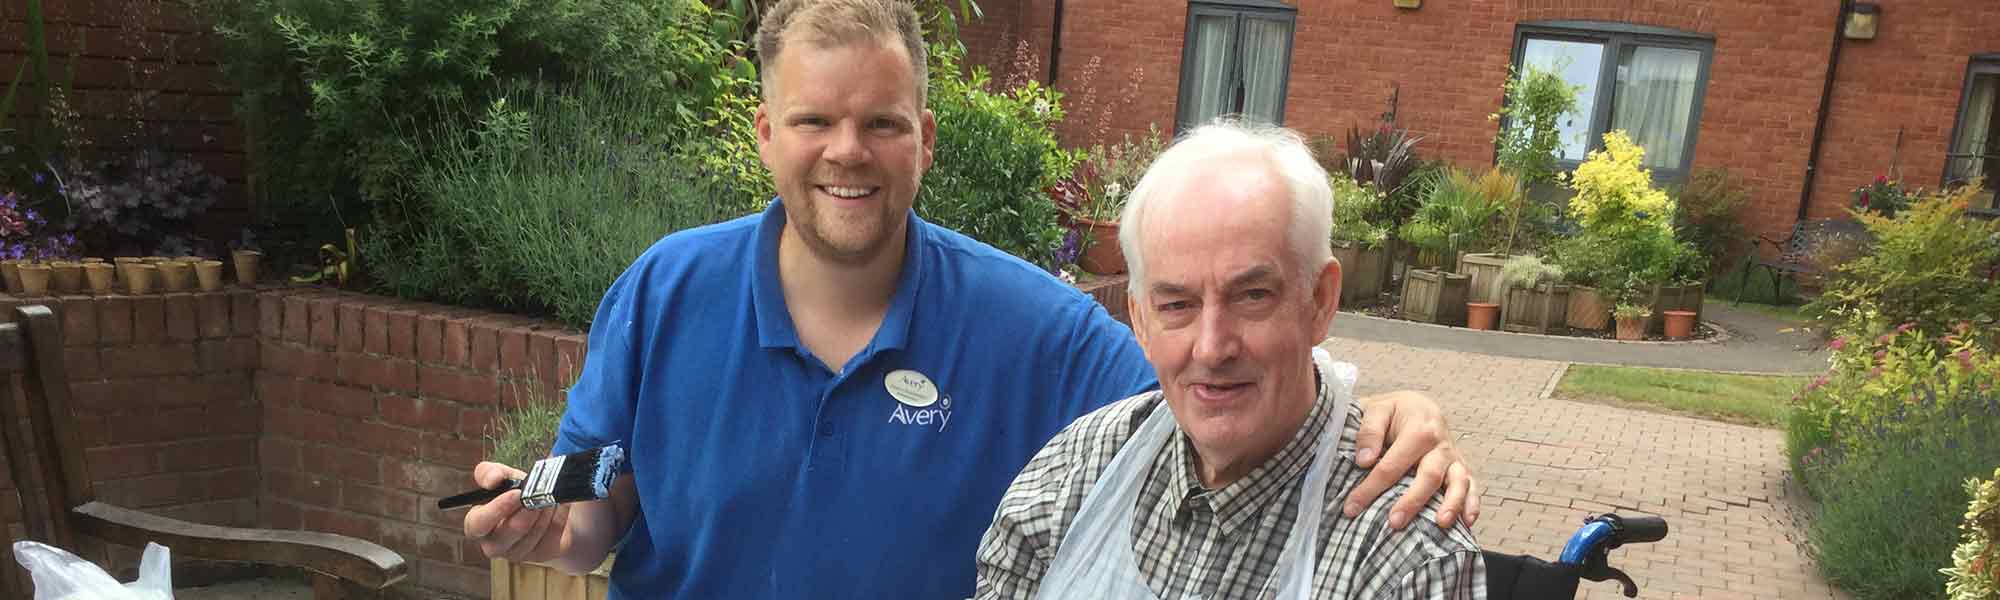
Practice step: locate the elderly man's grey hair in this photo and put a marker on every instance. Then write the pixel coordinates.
(1289, 157)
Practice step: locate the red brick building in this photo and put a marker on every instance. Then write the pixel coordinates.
(1739, 84)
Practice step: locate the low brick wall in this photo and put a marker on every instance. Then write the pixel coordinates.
(305, 408)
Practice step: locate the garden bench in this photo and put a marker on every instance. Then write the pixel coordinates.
(1798, 253)
(59, 505)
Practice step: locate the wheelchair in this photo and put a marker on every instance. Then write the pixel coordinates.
(1585, 558)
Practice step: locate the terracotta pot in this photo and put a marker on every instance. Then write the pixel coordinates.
(11, 271)
(209, 273)
(101, 275)
(154, 260)
(139, 278)
(1631, 328)
(1680, 324)
(1103, 256)
(246, 266)
(175, 276)
(35, 280)
(65, 277)
(1481, 315)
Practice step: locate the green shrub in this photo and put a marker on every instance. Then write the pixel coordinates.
(1930, 265)
(1454, 218)
(544, 207)
(1888, 513)
(1530, 137)
(997, 156)
(1975, 570)
(339, 94)
(1353, 205)
(1709, 206)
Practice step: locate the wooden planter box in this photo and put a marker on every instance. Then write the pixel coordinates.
(1587, 309)
(1361, 272)
(532, 581)
(1675, 297)
(1484, 270)
(1535, 310)
(1435, 297)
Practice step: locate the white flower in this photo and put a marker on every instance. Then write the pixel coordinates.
(1042, 107)
(1066, 277)
(1114, 190)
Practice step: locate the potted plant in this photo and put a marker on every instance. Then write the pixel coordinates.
(1501, 192)
(1385, 161)
(1107, 176)
(1357, 242)
(1452, 219)
(1631, 320)
(1624, 238)
(1536, 297)
(1679, 324)
(523, 434)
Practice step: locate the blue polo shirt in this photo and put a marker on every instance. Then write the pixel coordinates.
(762, 473)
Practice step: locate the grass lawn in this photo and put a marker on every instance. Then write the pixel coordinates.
(1759, 400)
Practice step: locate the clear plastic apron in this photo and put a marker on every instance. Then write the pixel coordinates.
(1095, 560)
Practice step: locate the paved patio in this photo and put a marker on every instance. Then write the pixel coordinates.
(1548, 463)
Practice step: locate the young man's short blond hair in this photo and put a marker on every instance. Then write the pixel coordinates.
(828, 23)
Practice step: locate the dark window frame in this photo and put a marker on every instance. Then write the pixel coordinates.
(1614, 37)
(1237, 10)
(1979, 64)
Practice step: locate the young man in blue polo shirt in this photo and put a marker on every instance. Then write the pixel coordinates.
(828, 399)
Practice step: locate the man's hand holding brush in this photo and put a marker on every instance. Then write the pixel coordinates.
(574, 537)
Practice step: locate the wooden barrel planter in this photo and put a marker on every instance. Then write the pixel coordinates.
(1675, 297)
(1587, 309)
(533, 581)
(1535, 310)
(1361, 270)
(1432, 296)
(1483, 269)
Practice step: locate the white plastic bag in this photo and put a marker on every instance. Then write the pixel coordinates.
(60, 575)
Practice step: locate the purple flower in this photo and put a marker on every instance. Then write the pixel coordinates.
(1964, 359)
(32, 216)
(1838, 343)
(1905, 327)
(1875, 373)
(39, 178)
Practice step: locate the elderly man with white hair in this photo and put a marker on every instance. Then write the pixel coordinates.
(1226, 482)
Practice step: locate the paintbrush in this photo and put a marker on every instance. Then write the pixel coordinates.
(574, 477)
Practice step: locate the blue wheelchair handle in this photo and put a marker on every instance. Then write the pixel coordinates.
(1604, 532)
(1587, 539)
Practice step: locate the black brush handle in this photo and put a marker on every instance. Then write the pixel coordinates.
(480, 496)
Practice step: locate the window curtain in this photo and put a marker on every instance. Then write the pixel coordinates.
(1974, 152)
(1213, 89)
(1264, 44)
(1654, 101)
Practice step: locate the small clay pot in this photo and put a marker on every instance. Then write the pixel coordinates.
(175, 276)
(209, 273)
(35, 279)
(101, 276)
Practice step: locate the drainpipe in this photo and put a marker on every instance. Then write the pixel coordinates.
(1825, 102)
(1055, 45)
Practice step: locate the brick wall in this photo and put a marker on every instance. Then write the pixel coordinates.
(375, 408)
(303, 408)
(1447, 61)
(1911, 76)
(120, 48)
